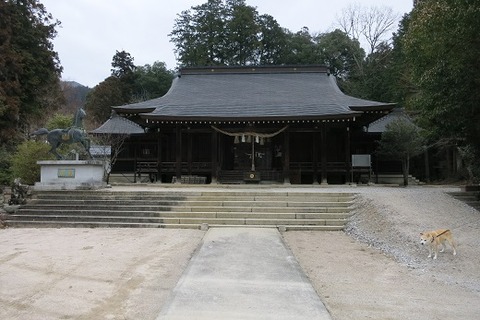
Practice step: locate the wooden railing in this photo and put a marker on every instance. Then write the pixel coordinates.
(332, 166)
(170, 167)
(239, 176)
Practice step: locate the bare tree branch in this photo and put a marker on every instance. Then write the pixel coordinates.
(115, 142)
(368, 24)
(350, 21)
(378, 21)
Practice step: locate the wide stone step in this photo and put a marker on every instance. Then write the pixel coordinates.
(184, 214)
(471, 198)
(177, 220)
(82, 224)
(89, 224)
(194, 205)
(172, 197)
(176, 200)
(292, 211)
(173, 193)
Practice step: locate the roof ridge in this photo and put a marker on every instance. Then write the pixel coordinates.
(254, 69)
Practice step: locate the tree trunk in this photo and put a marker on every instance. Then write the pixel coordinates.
(405, 170)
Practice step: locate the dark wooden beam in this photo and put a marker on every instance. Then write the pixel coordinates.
(315, 139)
(286, 156)
(324, 151)
(178, 153)
(214, 152)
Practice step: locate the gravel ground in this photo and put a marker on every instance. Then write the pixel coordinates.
(377, 269)
(391, 219)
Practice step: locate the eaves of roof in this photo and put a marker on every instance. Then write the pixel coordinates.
(380, 125)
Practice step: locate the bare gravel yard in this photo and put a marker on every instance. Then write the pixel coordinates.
(377, 269)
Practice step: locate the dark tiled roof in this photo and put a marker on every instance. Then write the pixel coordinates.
(118, 125)
(244, 93)
(380, 125)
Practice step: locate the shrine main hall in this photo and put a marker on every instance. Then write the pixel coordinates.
(267, 124)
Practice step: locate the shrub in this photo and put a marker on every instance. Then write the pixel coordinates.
(24, 161)
(5, 164)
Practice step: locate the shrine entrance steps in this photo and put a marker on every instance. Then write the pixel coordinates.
(472, 198)
(184, 208)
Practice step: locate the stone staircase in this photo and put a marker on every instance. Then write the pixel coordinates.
(185, 209)
(472, 198)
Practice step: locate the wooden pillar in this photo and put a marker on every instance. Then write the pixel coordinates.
(135, 144)
(427, 166)
(214, 153)
(315, 156)
(189, 152)
(159, 157)
(348, 156)
(323, 149)
(286, 156)
(178, 153)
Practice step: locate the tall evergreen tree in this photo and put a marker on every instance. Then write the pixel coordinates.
(272, 41)
(226, 33)
(152, 81)
(127, 84)
(242, 31)
(199, 35)
(442, 50)
(29, 66)
(401, 141)
(232, 33)
(343, 55)
(122, 64)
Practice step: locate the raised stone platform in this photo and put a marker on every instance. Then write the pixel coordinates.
(70, 175)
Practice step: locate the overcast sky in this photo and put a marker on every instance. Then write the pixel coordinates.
(92, 30)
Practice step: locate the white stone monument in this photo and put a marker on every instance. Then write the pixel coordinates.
(71, 175)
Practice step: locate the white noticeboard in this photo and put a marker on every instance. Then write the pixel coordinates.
(361, 160)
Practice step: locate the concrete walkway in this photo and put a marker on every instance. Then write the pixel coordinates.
(241, 273)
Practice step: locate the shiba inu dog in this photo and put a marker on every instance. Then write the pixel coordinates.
(436, 238)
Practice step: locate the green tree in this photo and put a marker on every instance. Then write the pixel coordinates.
(59, 121)
(152, 81)
(122, 63)
(108, 93)
(24, 161)
(400, 85)
(29, 67)
(401, 141)
(5, 166)
(343, 55)
(116, 90)
(272, 41)
(442, 51)
(124, 70)
(377, 79)
(199, 34)
(127, 84)
(301, 48)
(241, 30)
(227, 33)
(232, 33)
